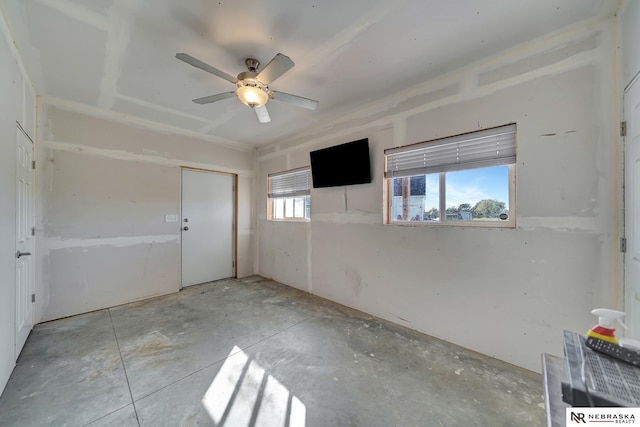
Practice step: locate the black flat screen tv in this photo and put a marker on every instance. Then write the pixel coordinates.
(344, 164)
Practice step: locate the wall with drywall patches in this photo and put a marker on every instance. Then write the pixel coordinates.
(508, 293)
(106, 187)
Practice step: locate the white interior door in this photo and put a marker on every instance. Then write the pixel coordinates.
(632, 208)
(25, 267)
(208, 211)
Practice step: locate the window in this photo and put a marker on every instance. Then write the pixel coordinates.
(289, 197)
(466, 180)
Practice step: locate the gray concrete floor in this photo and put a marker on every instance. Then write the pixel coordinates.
(253, 352)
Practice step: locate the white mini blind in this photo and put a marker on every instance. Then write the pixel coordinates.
(485, 148)
(290, 184)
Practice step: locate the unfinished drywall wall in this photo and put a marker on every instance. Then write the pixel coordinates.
(106, 189)
(508, 293)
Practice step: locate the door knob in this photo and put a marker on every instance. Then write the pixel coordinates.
(185, 228)
(19, 254)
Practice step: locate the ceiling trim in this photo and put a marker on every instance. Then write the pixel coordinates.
(157, 107)
(80, 108)
(142, 158)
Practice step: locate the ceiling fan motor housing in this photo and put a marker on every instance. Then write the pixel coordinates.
(252, 64)
(248, 78)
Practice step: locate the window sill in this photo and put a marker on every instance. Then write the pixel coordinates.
(290, 220)
(456, 224)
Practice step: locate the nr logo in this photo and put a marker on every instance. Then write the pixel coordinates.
(577, 417)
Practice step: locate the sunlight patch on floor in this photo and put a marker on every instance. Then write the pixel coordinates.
(243, 394)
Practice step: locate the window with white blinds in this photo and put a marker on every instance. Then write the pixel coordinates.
(290, 184)
(485, 148)
(289, 195)
(464, 180)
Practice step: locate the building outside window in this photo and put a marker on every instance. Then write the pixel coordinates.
(465, 180)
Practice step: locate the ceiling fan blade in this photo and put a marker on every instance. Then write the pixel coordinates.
(263, 114)
(279, 65)
(214, 98)
(298, 101)
(206, 67)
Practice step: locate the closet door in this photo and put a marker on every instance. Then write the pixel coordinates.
(25, 241)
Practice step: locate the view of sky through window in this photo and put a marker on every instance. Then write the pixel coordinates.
(472, 185)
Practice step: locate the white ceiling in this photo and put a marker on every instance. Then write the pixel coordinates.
(119, 55)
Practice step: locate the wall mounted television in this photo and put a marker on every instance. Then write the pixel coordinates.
(344, 164)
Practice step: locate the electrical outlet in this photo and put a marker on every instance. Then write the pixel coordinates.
(170, 218)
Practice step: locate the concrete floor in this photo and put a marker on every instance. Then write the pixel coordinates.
(253, 352)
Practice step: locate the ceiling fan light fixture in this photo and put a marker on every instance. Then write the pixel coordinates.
(252, 96)
(253, 86)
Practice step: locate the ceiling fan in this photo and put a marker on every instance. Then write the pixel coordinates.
(253, 86)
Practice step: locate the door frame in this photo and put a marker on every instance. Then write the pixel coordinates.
(234, 177)
(18, 346)
(629, 293)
